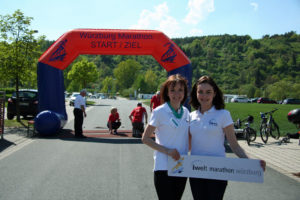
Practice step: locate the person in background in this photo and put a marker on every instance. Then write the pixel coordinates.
(114, 121)
(170, 121)
(79, 113)
(155, 101)
(137, 119)
(209, 124)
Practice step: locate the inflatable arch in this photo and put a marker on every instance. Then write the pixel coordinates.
(51, 89)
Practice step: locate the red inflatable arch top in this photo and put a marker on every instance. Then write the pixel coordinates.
(114, 42)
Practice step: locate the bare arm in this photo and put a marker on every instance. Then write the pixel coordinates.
(110, 128)
(130, 117)
(146, 139)
(235, 147)
(83, 110)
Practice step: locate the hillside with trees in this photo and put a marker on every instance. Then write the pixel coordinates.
(265, 67)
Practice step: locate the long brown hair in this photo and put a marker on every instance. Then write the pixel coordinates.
(218, 100)
(172, 81)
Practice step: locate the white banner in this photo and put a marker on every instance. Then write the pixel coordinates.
(220, 168)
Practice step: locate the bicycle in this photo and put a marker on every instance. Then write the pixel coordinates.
(268, 126)
(249, 133)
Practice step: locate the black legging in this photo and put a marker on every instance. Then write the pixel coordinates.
(138, 125)
(114, 125)
(207, 188)
(78, 121)
(168, 187)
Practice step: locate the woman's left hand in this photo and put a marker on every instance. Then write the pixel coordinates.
(263, 164)
(174, 154)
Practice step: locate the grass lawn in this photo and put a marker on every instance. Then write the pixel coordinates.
(242, 110)
(15, 123)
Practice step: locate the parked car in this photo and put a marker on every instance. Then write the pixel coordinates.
(93, 97)
(240, 100)
(265, 100)
(253, 100)
(291, 101)
(28, 103)
(73, 97)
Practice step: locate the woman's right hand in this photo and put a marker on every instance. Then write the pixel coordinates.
(263, 164)
(174, 154)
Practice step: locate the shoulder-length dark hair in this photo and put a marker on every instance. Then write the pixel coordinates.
(172, 81)
(218, 100)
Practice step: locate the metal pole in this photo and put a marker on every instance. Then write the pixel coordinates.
(2, 112)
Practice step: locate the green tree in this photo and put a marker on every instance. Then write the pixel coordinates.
(126, 73)
(108, 85)
(140, 84)
(296, 91)
(280, 90)
(83, 73)
(249, 90)
(151, 80)
(19, 48)
(196, 48)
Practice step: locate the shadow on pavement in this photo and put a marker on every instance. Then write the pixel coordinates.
(121, 138)
(4, 144)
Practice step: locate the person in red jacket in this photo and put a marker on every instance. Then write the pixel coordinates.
(113, 121)
(136, 117)
(155, 101)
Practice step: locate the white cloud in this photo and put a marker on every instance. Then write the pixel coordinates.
(159, 19)
(198, 10)
(255, 5)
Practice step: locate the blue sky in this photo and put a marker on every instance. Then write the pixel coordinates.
(176, 18)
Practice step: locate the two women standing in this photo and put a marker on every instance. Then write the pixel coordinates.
(206, 128)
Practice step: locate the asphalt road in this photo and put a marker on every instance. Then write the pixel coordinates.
(102, 168)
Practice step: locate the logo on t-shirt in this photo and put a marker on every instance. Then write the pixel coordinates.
(213, 122)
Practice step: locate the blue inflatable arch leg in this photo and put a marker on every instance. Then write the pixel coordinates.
(52, 107)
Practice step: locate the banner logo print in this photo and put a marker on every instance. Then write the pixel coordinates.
(170, 54)
(178, 168)
(60, 52)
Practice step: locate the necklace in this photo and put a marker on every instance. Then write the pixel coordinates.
(176, 114)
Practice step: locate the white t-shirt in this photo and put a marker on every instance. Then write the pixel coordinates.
(79, 101)
(170, 132)
(207, 132)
